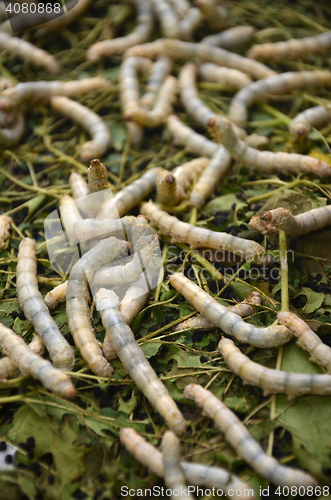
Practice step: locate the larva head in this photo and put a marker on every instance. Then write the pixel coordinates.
(222, 129)
(170, 444)
(286, 318)
(258, 224)
(106, 299)
(197, 393)
(266, 216)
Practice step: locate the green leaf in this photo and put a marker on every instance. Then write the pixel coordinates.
(314, 299)
(129, 406)
(150, 348)
(225, 203)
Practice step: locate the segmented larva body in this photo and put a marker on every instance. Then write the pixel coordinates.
(30, 363)
(185, 136)
(292, 49)
(134, 360)
(265, 161)
(224, 76)
(33, 93)
(118, 46)
(272, 381)
(195, 474)
(90, 121)
(150, 50)
(78, 312)
(307, 339)
(258, 224)
(56, 296)
(167, 18)
(198, 237)
(167, 189)
(160, 70)
(70, 216)
(228, 321)
(128, 82)
(172, 473)
(5, 223)
(12, 136)
(35, 309)
(177, 49)
(182, 7)
(8, 369)
(97, 176)
(129, 196)
(215, 15)
(135, 132)
(78, 185)
(231, 38)
(237, 435)
(190, 23)
(315, 117)
(274, 86)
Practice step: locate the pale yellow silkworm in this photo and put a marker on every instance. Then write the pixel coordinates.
(190, 23)
(307, 339)
(195, 474)
(134, 360)
(5, 223)
(140, 34)
(274, 86)
(160, 70)
(8, 369)
(167, 18)
(237, 435)
(90, 121)
(55, 296)
(215, 15)
(272, 381)
(185, 136)
(224, 76)
(182, 7)
(78, 185)
(231, 38)
(197, 237)
(315, 117)
(135, 132)
(11, 136)
(30, 363)
(78, 312)
(265, 161)
(97, 176)
(172, 473)
(150, 50)
(35, 309)
(292, 49)
(228, 321)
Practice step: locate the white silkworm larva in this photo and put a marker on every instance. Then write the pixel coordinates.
(150, 50)
(237, 435)
(118, 46)
(195, 474)
(224, 76)
(292, 49)
(97, 176)
(70, 216)
(90, 121)
(190, 23)
(215, 15)
(30, 363)
(33, 93)
(12, 136)
(172, 473)
(167, 18)
(134, 360)
(230, 39)
(265, 161)
(307, 339)
(55, 296)
(198, 237)
(78, 312)
(315, 117)
(194, 143)
(274, 86)
(5, 223)
(161, 69)
(8, 369)
(78, 185)
(272, 381)
(35, 309)
(177, 49)
(228, 321)
(182, 7)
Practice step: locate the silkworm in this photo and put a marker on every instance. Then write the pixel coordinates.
(135, 132)
(182, 7)
(194, 143)
(195, 474)
(272, 381)
(231, 38)
(30, 363)
(5, 223)
(224, 76)
(173, 475)
(55, 296)
(97, 176)
(215, 15)
(228, 321)
(35, 309)
(243, 443)
(78, 185)
(167, 18)
(90, 121)
(12, 136)
(307, 339)
(160, 70)
(134, 360)
(78, 312)
(258, 224)
(190, 23)
(198, 237)
(315, 117)
(177, 49)
(274, 86)
(118, 46)
(265, 161)
(292, 49)
(150, 50)
(32, 93)
(8, 369)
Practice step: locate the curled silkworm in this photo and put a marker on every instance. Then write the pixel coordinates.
(307, 339)
(274, 86)
(292, 49)
(177, 49)
(194, 143)
(118, 46)
(315, 117)
(90, 121)
(78, 312)
(224, 76)
(55, 296)
(167, 18)
(215, 15)
(190, 23)
(134, 360)
(97, 176)
(272, 381)
(30, 363)
(161, 69)
(230, 39)
(35, 309)
(5, 223)
(198, 237)
(228, 321)
(195, 474)
(9, 369)
(173, 475)
(32, 93)
(78, 185)
(237, 435)
(265, 160)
